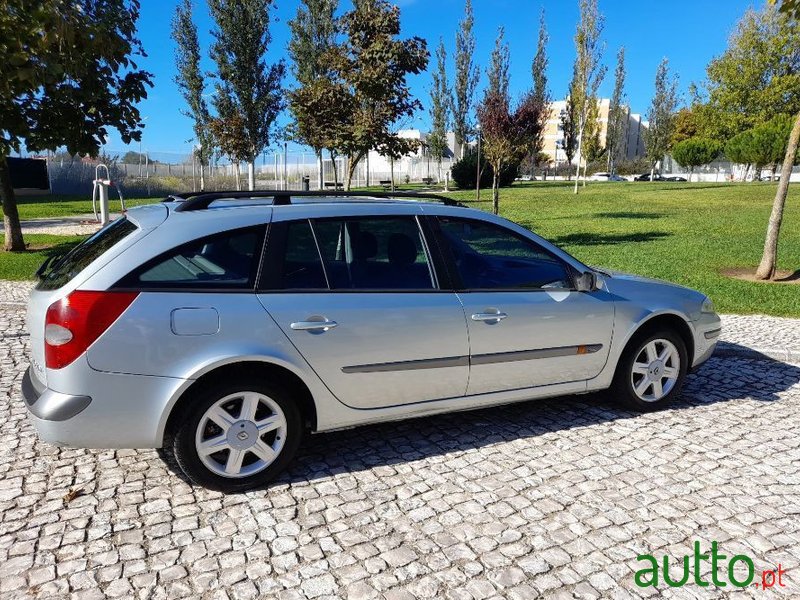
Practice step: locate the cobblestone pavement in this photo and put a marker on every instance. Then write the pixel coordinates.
(541, 499)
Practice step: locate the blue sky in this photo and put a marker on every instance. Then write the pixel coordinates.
(687, 32)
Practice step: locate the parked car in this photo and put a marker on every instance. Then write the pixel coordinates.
(606, 177)
(646, 177)
(222, 326)
(674, 178)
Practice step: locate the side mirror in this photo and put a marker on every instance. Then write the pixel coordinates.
(586, 282)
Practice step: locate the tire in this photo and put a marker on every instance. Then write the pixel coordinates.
(249, 431)
(644, 382)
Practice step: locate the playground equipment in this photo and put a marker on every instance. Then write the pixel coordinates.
(101, 189)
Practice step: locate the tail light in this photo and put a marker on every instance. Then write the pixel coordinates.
(73, 323)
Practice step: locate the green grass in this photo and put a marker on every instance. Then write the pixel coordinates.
(22, 265)
(680, 232)
(42, 207)
(686, 233)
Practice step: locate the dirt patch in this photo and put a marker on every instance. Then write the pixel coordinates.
(790, 277)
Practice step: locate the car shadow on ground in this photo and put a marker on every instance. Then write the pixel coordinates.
(629, 215)
(602, 239)
(362, 448)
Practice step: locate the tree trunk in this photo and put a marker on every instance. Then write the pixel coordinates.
(652, 173)
(13, 229)
(766, 270)
(585, 167)
(320, 175)
(391, 170)
(496, 190)
(335, 171)
(202, 177)
(238, 183)
(251, 175)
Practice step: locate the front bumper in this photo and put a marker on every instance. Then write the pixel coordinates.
(707, 331)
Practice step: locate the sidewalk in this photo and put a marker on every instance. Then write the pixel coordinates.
(72, 225)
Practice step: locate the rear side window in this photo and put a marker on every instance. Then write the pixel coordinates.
(376, 253)
(63, 270)
(226, 260)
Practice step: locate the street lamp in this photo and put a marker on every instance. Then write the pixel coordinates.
(478, 167)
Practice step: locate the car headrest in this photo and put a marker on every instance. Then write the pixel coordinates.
(401, 249)
(365, 246)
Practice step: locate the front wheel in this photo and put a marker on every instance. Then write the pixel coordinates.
(237, 436)
(651, 372)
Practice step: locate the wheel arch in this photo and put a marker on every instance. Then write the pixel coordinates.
(232, 369)
(670, 320)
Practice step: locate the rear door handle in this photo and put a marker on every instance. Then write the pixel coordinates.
(490, 316)
(313, 325)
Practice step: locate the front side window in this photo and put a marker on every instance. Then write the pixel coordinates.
(488, 256)
(225, 260)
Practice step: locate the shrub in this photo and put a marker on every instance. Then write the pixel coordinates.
(465, 170)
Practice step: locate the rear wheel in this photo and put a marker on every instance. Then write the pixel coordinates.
(237, 436)
(651, 372)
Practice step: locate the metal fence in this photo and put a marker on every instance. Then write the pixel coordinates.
(164, 173)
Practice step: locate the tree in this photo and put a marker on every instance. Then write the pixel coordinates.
(661, 116)
(589, 73)
(190, 82)
(67, 75)
(593, 148)
(229, 130)
(617, 115)
(373, 65)
(569, 122)
(466, 79)
(134, 158)
(686, 126)
(440, 110)
(317, 100)
(695, 152)
(540, 92)
(756, 78)
(507, 134)
(251, 87)
(769, 259)
(763, 145)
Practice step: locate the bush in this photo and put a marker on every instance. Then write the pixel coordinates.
(465, 170)
(636, 166)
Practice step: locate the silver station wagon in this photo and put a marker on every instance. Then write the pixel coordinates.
(223, 326)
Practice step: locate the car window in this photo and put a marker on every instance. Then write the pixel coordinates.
(300, 267)
(377, 253)
(224, 260)
(76, 260)
(488, 256)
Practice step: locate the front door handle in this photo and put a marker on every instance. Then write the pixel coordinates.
(490, 317)
(314, 325)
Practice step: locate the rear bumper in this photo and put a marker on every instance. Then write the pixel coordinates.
(116, 411)
(49, 405)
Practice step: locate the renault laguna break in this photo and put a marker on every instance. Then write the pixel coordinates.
(223, 326)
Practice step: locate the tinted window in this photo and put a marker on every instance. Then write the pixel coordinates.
(373, 253)
(301, 267)
(76, 260)
(223, 260)
(488, 256)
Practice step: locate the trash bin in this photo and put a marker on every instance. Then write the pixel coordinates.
(306, 183)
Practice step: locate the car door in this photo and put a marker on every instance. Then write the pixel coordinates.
(528, 326)
(358, 297)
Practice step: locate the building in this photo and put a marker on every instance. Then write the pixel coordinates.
(554, 132)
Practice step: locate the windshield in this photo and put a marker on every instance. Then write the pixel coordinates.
(63, 269)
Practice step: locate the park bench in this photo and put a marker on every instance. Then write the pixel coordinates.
(332, 184)
(386, 184)
(427, 180)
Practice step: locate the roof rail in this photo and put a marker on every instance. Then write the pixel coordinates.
(202, 200)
